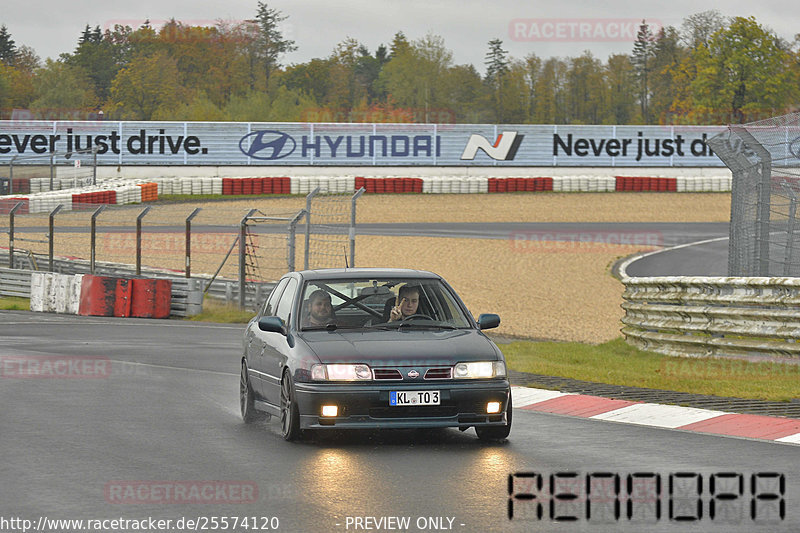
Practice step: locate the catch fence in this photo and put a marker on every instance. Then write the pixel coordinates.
(764, 158)
(245, 247)
(51, 171)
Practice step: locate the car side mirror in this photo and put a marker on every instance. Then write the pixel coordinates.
(273, 324)
(488, 321)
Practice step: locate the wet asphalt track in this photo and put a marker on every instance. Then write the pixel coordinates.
(168, 411)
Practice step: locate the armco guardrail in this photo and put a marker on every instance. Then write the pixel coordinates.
(713, 316)
(15, 282)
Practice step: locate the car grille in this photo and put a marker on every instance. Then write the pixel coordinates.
(394, 374)
(387, 374)
(439, 373)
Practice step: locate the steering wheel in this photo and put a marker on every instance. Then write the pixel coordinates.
(417, 315)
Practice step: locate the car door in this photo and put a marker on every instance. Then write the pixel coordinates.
(276, 347)
(254, 339)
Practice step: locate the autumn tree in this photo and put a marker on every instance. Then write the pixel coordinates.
(697, 29)
(668, 54)
(745, 70)
(620, 79)
(585, 90)
(147, 89)
(412, 75)
(550, 104)
(62, 89)
(463, 96)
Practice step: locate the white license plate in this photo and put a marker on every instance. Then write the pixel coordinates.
(416, 397)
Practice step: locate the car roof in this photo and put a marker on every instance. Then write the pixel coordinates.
(366, 273)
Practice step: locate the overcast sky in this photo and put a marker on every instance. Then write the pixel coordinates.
(53, 27)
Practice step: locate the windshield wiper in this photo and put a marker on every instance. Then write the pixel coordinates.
(329, 327)
(425, 325)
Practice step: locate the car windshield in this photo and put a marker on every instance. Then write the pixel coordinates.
(380, 304)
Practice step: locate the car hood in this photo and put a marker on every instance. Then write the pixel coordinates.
(401, 347)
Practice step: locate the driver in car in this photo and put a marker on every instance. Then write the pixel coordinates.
(320, 310)
(406, 304)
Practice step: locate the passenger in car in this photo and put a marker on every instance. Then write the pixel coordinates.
(320, 311)
(406, 304)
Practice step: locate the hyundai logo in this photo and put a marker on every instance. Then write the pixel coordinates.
(267, 144)
(413, 374)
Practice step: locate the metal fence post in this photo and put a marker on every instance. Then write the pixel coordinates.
(53, 214)
(243, 256)
(189, 241)
(93, 242)
(11, 175)
(94, 165)
(310, 197)
(11, 233)
(290, 247)
(139, 240)
(352, 229)
(52, 173)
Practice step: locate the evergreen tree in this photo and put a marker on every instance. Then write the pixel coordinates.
(271, 42)
(642, 59)
(399, 45)
(496, 70)
(8, 50)
(496, 61)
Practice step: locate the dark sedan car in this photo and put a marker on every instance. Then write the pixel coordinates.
(372, 348)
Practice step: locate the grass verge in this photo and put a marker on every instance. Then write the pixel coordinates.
(13, 303)
(617, 363)
(221, 312)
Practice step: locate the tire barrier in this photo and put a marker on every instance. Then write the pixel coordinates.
(520, 184)
(124, 297)
(126, 191)
(249, 186)
(7, 204)
(149, 192)
(150, 298)
(637, 184)
(55, 293)
(181, 297)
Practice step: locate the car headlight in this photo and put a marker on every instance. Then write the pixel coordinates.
(341, 372)
(479, 369)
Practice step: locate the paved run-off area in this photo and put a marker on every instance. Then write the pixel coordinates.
(540, 290)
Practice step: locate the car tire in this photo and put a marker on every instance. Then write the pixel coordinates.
(497, 433)
(290, 414)
(247, 399)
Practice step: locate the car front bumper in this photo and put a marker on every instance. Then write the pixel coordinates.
(366, 406)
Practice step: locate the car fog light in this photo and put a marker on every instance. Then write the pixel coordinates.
(330, 410)
(493, 407)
